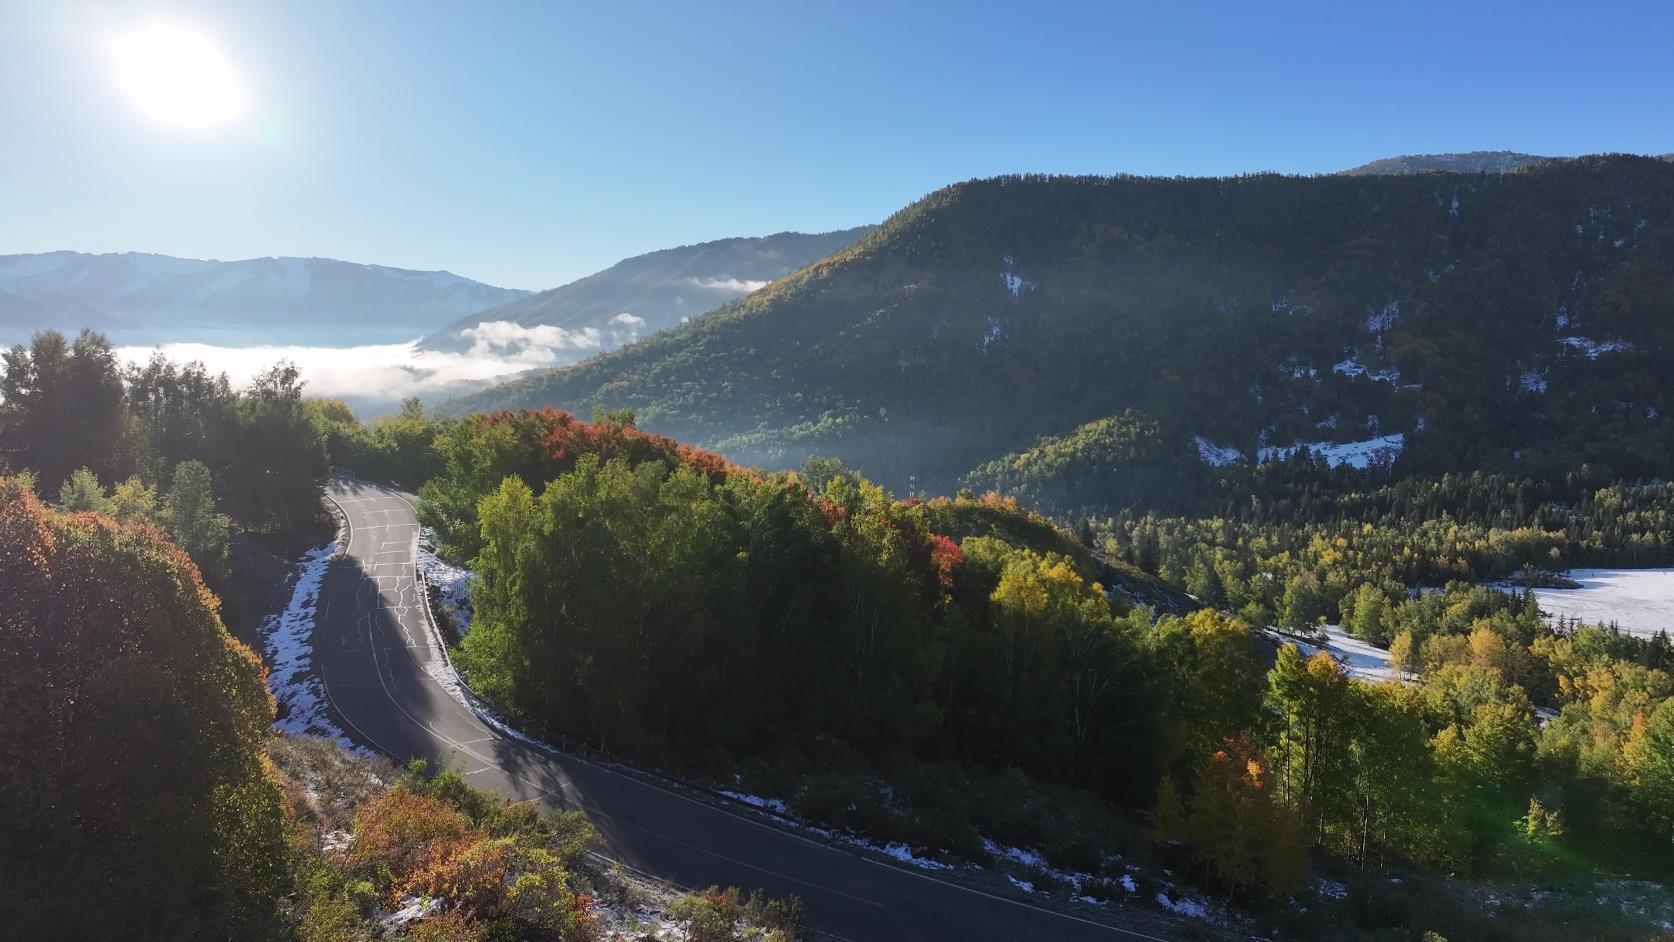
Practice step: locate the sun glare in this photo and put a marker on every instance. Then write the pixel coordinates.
(177, 76)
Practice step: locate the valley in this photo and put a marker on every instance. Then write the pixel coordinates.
(876, 472)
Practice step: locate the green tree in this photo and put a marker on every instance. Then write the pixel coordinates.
(82, 491)
(190, 515)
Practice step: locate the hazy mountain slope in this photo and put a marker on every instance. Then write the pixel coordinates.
(1476, 161)
(641, 295)
(141, 298)
(1499, 321)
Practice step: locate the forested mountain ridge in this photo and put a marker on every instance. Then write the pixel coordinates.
(641, 295)
(137, 297)
(1476, 161)
(1466, 321)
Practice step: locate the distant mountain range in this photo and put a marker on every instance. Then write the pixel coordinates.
(1501, 321)
(139, 298)
(639, 296)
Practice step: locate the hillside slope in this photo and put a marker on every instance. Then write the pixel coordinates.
(639, 296)
(140, 298)
(1506, 321)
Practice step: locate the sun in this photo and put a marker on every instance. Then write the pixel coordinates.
(177, 76)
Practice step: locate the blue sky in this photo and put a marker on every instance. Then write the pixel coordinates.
(527, 144)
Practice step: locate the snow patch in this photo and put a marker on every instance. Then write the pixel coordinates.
(1534, 381)
(413, 908)
(1184, 906)
(1352, 367)
(1359, 659)
(1359, 454)
(1378, 322)
(1592, 348)
(1218, 456)
(288, 639)
(452, 583)
(1023, 885)
(902, 853)
(756, 801)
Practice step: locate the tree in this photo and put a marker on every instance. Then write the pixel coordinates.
(1313, 702)
(134, 499)
(190, 515)
(138, 800)
(82, 491)
(1248, 840)
(62, 408)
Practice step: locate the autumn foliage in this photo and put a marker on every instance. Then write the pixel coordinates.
(137, 799)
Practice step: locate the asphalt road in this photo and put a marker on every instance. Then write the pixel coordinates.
(372, 641)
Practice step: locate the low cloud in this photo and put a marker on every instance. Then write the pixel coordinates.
(375, 377)
(729, 285)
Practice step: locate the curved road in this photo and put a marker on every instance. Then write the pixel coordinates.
(372, 643)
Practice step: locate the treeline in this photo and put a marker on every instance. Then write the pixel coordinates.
(69, 405)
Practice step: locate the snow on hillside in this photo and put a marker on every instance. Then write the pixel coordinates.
(1592, 348)
(1218, 456)
(1639, 601)
(1359, 454)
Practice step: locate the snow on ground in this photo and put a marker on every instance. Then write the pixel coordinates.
(289, 643)
(1184, 906)
(1023, 885)
(412, 909)
(1217, 456)
(1352, 367)
(1639, 601)
(1354, 454)
(1359, 659)
(452, 583)
(1331, 889)
(756, 801)
(904, 854)
(1592, 348)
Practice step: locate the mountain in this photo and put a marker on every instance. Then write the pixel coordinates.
(1476, 161)
(639, 296)
(142, 298)
(1515, 321)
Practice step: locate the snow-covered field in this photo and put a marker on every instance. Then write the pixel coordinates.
(1358, 658)
(1639, 601)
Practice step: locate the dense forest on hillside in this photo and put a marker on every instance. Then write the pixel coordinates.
(1510, 321)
